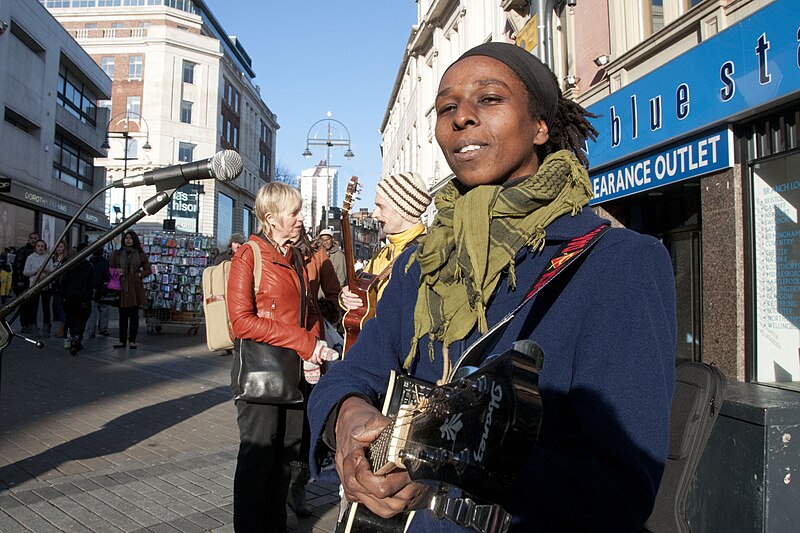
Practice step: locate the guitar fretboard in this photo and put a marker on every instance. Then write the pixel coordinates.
(379, 449)
(406, 395)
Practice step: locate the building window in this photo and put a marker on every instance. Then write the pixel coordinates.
(104, 104)
(72, 164)
(186, 112)
(247, 221)
(135, 68)
(188, 71)
(75, 97)
(235, 139)
(186, 152)
(224, 219)
(133, 108)
(133, 148)
(654, 15)
(21, 122)
(107, 64)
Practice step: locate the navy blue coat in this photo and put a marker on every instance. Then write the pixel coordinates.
(608, 332)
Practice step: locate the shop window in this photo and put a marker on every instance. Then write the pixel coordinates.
(776, 284)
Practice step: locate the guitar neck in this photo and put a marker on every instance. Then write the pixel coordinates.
(347, 248)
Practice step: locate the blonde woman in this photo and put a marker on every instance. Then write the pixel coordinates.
(270, 435)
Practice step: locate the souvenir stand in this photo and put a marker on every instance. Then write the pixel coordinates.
(175, 289)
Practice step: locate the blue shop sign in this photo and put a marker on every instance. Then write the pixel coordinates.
(709, 153)
(750, 64)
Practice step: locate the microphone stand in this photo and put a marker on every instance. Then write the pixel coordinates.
(150, 206)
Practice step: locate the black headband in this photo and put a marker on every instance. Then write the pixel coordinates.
(538, 79)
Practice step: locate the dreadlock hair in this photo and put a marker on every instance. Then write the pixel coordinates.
(570, 127)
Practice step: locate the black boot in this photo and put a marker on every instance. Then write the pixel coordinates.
(297, 488)
(76, 345)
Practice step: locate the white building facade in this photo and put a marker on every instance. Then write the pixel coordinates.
(182, 91)
(445, 30)
(51, 131)
(318, 186)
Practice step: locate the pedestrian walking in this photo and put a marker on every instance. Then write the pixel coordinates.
(132, 264)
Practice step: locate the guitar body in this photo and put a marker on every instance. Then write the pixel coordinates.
(354, 319)
(471, 433)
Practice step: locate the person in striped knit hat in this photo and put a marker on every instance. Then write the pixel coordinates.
(400, 200)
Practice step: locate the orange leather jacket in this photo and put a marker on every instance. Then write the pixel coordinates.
(275, 318)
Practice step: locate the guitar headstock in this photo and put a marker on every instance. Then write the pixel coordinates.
(351, 194)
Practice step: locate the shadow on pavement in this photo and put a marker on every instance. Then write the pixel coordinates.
(117, 435)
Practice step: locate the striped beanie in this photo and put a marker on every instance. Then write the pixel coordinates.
(407, 193)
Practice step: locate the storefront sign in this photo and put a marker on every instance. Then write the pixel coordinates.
(184, 207)
(748, 65)
(776, 199)
(709, 153)
(5, 185)
(51, 203)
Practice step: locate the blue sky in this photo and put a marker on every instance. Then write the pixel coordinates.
(313, 57)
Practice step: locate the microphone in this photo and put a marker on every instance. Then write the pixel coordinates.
(224, 166)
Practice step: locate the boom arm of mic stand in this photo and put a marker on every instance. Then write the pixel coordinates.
(151, 205)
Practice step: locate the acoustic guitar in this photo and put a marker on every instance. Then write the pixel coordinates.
(362, 283)
(471, 433)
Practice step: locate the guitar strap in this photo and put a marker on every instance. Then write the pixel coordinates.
(564, 257)
(464, 511)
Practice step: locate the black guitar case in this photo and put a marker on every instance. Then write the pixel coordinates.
(699, 393)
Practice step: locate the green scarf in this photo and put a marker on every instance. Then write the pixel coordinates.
(465, 254)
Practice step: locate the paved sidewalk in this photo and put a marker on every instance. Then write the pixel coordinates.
(124, 440)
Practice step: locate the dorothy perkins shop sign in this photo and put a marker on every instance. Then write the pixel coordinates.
(750, 64)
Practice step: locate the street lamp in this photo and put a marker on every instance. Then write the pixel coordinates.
(326, 132)
(126, 135)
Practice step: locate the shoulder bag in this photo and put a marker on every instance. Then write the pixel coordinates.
(267, 374)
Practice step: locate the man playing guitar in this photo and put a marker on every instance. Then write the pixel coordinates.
(400, 201)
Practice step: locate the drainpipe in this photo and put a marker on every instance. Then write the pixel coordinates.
(544, 27)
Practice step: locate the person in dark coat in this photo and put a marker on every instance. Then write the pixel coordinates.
(20, 283)
(132, 265)
(234, 242)
(76, 293)
(98, 320)
(607, 326)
